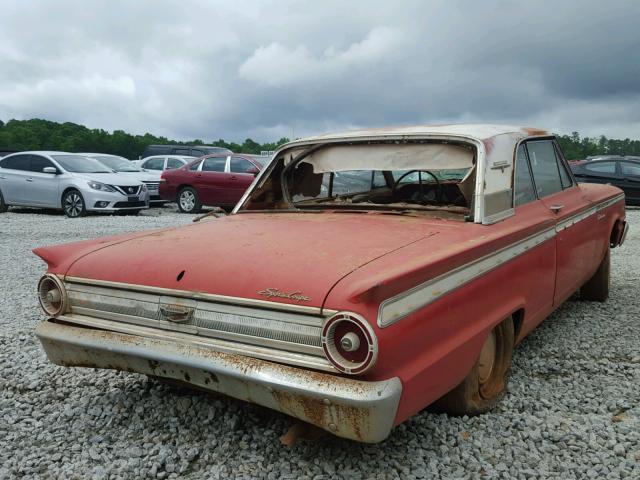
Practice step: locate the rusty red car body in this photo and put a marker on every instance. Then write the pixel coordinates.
(252, 304)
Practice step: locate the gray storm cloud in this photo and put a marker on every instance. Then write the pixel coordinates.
(270, 69)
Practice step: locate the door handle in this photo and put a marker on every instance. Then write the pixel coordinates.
(3, 177)
(556, 208)
(29, 179)
(199, 176)
(233, 177)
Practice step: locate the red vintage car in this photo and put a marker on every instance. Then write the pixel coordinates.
(216, 180)
(364, 276)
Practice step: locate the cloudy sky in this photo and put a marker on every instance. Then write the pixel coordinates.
(267, 69)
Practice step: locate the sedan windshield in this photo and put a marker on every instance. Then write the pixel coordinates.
(119, 164)
(79, 164)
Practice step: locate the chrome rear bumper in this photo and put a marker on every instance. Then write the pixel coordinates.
(354, 409)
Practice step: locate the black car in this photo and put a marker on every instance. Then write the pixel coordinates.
(622, 172)
(185, 150)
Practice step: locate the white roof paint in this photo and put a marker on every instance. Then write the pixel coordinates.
(475, 131)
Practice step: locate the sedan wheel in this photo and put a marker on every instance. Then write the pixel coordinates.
(487, 381)
(188, 201)
(73, 204)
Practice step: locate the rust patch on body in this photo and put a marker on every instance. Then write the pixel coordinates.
(535, 131)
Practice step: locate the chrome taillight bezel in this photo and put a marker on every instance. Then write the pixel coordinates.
(330, 348)
(47, 284)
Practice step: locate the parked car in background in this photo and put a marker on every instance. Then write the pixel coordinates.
(125, 166)
(67, 181)
(351, 310)
(158, 163)
(622, 172)
(214, 180)
(182, 150)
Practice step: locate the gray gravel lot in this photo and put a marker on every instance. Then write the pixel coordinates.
(572, 411)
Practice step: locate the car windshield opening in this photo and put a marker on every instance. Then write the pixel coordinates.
(79, 164)
(119, 164)
(410, 176)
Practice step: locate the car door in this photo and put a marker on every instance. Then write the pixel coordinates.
(43, 189)
(575, 220)
(630, 172)
(15, 170)
(532, 212)
(211, 181)
(241, 175)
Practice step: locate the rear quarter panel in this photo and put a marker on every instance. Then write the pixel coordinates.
(432, 349)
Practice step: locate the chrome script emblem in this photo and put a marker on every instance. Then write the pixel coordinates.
(175, 313)
(274, 292)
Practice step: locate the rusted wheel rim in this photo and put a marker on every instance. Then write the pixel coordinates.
(487, 359)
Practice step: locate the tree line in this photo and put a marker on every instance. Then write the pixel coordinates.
(38, 134)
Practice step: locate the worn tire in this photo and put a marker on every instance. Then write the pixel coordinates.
(597, 288)
(3, 206)
(484, 385)
(188, 201)
(73, 204)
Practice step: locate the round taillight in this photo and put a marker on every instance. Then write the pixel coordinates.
(52, 295)
(349, 343)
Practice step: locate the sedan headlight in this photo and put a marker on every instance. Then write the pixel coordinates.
(52, 295)
(101, 186)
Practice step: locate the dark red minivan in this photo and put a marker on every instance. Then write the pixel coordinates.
(216, 180)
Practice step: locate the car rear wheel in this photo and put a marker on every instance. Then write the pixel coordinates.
(188, 201)
(597, 288)
(3, 206)
(73, 204)
(485, 384)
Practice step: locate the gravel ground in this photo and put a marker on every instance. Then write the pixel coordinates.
(572, 410)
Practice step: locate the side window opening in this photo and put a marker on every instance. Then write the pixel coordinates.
(240, 165)
(601, 167)
(524, 188)
(17, 162)
(565, 177)
(38, 163)
(173, 163)
(154, 164)
(214, 164)
(544, 166)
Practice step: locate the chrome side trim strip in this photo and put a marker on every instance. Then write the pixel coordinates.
(398, 307)
(610, 202)
(575, 219)
(204, 296)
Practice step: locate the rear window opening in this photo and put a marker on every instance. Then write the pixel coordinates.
(415, 177)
